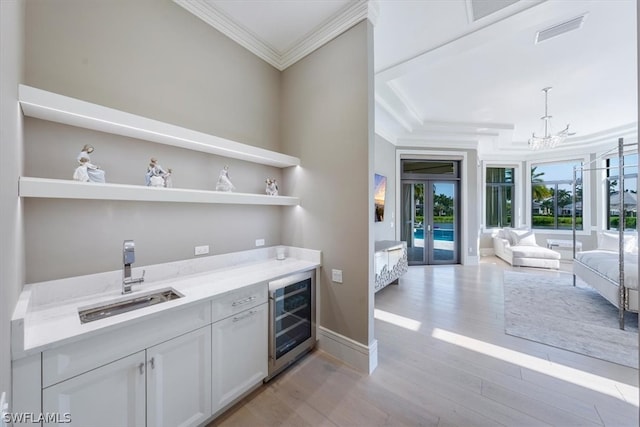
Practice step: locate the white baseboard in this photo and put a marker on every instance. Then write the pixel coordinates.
(359, 356)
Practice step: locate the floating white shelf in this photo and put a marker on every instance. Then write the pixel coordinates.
(67, 189)
(50, 106)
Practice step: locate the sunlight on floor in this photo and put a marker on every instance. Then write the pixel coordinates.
(575, 376)
(403, 322)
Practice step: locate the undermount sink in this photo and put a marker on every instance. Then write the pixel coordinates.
(124, 306)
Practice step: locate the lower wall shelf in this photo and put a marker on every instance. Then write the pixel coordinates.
(67, 189)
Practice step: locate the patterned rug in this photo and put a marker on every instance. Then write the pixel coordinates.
(550, 310)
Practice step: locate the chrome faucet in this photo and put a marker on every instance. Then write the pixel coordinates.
(128, 258)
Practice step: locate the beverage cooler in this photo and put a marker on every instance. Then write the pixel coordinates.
(292, 319)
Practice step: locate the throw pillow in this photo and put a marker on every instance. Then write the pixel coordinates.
(608, 242)
(523, 237)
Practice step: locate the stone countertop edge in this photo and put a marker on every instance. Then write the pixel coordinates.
(43, 325)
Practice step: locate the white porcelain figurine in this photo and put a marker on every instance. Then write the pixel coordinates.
(156, 176)
(272, 187)
(224, 183)
(87, 171)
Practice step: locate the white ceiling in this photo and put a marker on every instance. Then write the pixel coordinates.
(445, 79)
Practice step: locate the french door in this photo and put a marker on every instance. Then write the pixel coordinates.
(430, 220)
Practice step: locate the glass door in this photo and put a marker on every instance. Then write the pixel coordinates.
(442, 225)
(430, 221)
(413, 221)
(292, 316)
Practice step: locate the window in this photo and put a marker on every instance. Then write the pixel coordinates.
(499, 197)
(552, 201)
(630, 192)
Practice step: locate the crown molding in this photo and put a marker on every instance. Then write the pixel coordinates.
(346, 18)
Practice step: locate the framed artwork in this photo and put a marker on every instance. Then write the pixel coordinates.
(380, 189)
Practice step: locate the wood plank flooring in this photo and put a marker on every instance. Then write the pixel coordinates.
(444, 360)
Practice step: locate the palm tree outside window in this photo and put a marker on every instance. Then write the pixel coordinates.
(552, 202)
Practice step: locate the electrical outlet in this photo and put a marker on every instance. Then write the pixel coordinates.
(336, 276)
(201, 250)
(259, 242)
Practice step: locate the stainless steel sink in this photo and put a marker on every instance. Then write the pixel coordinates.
(124, 306)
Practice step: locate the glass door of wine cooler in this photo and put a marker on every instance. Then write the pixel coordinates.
(292, 319)
(292, 316)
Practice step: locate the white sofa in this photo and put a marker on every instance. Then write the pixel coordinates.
(519, 248)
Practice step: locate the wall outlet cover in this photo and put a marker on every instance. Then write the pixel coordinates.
(336, 276)
(201, 250)
(259, 242)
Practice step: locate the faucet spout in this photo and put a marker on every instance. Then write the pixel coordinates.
(128, 258)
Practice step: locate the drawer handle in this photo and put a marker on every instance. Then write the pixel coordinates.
(243, 301)
(244, 316)
(141, 367)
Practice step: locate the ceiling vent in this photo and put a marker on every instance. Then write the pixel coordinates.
(482, 8)
(556, 30)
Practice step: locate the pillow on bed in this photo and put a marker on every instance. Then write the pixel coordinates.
(631, 243)
(609, 242)
(523, 237)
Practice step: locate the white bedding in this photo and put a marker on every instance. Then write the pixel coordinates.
(606, 263)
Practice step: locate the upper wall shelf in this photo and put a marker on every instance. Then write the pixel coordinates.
(68, 189)
(50, 106)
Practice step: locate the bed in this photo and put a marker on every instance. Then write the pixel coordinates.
(611, 268)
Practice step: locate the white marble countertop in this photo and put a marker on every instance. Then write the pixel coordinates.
(46, 315)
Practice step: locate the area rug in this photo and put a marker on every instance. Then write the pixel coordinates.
(550, 310)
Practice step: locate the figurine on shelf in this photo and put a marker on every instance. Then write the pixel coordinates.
(87, 171)
(272, 187)
(156, 176)
(224, 183)
(168, 181)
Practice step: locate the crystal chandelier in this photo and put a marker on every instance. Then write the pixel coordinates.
(548, 140)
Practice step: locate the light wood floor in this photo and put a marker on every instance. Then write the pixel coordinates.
(457, 368)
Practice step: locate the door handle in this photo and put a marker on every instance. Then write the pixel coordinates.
(429, 228)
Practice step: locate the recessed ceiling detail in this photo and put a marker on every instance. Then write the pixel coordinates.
(482, 8)
(304, 39)
(558, 29)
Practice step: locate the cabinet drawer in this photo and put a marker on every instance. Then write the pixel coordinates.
(395, 255)
(72, 359)
(239, 300)
(380, 261)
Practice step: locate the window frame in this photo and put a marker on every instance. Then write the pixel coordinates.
(586, 193)
(500, 186)
(517, 191)
(605, 186)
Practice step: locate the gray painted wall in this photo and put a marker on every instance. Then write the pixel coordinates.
(385, 164)
(154, 59)
(11, 228)
(327, 116)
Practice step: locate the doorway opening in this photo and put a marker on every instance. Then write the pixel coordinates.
(430, 211)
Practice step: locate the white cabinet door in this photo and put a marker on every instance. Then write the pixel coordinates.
(179, 380)
(111, 395)
(240, 354)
